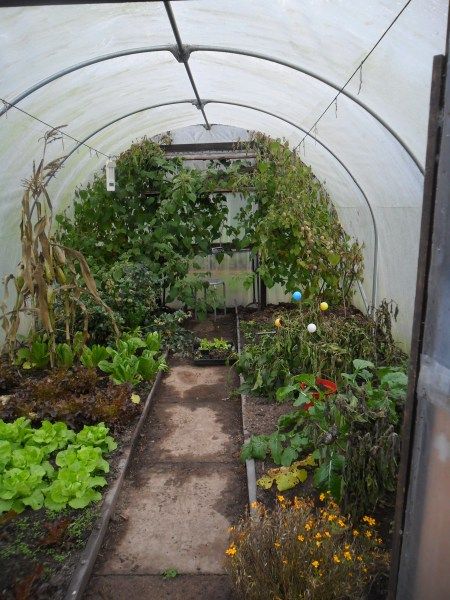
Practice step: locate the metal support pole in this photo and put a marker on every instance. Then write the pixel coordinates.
(183, 56)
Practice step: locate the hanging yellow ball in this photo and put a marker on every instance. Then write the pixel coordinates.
(324, 306)
(278, 322)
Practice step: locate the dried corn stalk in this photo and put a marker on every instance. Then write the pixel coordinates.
(46, 269)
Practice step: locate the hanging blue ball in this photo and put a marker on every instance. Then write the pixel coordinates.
(297, 296)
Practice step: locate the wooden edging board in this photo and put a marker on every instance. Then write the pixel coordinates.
(82, 573)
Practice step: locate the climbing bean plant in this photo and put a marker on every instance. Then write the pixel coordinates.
(290, 222)
(161, 215)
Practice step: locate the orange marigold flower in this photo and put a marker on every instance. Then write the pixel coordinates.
(231, 551)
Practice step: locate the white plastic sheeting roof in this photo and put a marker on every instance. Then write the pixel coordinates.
(377, 129)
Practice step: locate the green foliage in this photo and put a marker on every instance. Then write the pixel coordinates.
(134, 359)
(91, 357)
(170, 573)
(27, 476)
(295, 229)
(174, 336)
(215, 344)
(160, 217)
(353, 436)
(267, 362)
(96, 436)
(65, 356)
(36, 356)
(129, 288)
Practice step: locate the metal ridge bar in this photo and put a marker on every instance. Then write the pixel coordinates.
(310, 135)
(183, 57)
(188, 50)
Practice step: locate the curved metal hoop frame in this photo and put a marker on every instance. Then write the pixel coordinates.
(271, 114)
(188, 50)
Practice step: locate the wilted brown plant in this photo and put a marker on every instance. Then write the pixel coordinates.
(46, 268)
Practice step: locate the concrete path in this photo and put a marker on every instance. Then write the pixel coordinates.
(184, 489)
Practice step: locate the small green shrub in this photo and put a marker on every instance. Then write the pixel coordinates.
(353, 436)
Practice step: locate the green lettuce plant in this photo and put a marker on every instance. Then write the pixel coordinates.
(91, 357)
(29, 479)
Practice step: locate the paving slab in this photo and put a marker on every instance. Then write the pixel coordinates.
(193, 432)
(151, 587)
(174, 517)
(188, 383)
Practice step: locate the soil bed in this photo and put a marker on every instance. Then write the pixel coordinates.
(40, 549)
(261, 416)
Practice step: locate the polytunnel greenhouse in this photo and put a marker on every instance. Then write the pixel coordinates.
(225, 342)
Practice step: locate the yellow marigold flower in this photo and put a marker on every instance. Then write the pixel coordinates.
(369, 520)
(307, 526)
(301, 538)
(347, 555)
(355, 532)
(277, 544)
(347, 547)
(280, 499)
(379, 541)
(231, 551)
(327, 534)
(336, 559)
(318, 536)
(318, 544)
(341, 523)
(359, 558)
(322, 497)
(368, 534)
(315, 564)
(332, 517)
(254, 504)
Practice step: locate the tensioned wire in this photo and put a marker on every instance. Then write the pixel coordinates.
(58, 128)
(358, 68)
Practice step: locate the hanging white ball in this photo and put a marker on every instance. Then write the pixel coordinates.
(311, 328)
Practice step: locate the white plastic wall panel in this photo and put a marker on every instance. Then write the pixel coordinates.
(330, 38)
(38, 41)
(327, 38)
